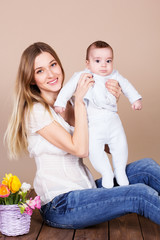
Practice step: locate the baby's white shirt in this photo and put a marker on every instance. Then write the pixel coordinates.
(98, 94)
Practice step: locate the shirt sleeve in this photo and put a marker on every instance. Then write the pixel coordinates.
(38, 118)
(128, 89)
(68, 90)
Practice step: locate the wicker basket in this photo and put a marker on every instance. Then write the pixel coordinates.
(12, 222)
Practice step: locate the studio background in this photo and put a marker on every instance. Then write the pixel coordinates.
(132, 28)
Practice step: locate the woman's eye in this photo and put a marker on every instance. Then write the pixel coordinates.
(109, 61)
(53, 64)
(39, 71)
(97, 61)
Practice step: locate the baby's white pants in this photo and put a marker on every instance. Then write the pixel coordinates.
(105, 127)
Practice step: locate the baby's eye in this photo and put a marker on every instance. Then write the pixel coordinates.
(97, 61)
(109, 61)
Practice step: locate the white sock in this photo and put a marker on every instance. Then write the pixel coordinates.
(107, 180)
(121, 177)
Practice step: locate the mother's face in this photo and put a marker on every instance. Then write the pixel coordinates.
(48, 74)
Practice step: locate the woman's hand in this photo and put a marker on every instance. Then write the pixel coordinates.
(114, 88)
(84, 83)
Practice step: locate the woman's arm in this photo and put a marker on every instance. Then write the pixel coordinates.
(58, 136)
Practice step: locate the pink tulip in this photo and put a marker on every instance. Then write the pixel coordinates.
(30, 203)
(28, 210)
(37, 202)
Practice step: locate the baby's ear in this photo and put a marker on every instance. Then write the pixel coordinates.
(87, 62)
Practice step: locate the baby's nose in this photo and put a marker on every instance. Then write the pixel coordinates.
(104, 63)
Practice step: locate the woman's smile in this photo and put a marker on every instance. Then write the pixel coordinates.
(52, 82)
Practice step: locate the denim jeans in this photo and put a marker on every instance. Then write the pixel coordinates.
(83, 208)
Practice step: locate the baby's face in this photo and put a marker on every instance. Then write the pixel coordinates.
(100, 61)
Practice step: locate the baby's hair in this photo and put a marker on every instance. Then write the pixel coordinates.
(97, 44)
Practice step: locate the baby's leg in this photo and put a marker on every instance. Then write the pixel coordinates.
(119, 150)
(100, 161)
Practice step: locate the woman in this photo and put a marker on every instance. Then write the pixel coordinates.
(70, 197)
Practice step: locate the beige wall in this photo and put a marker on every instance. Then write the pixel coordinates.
(133, 30)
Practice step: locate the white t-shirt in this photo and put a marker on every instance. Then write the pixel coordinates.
(57, 171)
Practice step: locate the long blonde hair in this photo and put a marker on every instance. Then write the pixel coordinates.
(26, 94)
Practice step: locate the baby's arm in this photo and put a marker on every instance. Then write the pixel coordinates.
(59, 109)
(130, 92)
(66, 93)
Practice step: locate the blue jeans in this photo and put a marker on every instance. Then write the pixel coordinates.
(83, 208)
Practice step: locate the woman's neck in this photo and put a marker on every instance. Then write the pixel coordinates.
(49, 98)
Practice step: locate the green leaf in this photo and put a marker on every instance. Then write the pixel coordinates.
(2, 201)
(17, 198)
(22, 208)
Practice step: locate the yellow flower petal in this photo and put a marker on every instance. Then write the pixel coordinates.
(14, 184)
(7, 179)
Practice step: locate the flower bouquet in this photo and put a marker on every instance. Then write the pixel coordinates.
(15, 209)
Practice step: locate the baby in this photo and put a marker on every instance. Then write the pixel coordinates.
(105, 126)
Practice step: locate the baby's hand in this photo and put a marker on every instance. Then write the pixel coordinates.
(137, 105)
(59, 109)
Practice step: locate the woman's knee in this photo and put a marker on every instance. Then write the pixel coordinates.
(142, 191)
(147, 161)
(140, 165)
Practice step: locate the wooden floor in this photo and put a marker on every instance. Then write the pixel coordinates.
(129, 227)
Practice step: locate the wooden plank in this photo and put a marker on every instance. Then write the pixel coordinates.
(2, 237)
(97, 232)
(150, 230)
(125, 227)
(55, 233)
(128, 227)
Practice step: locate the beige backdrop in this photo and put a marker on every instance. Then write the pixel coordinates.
(133, 30)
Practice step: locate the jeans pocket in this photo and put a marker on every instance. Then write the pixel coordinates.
(59, 203)
(43, 210)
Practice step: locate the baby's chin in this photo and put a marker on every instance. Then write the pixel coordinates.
(103, 73)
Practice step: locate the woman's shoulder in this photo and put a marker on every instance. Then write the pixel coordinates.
(38, 118)
(37, 106)
(40, 108)
(39, 112)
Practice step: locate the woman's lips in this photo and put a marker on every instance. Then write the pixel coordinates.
(53, 81)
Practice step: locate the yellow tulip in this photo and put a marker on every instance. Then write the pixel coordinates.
(14, 184)
(7, 179)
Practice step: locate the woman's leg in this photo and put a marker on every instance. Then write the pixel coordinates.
(82, 208)
(145, 171)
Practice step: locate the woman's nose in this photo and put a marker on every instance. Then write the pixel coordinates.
(50, 73)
